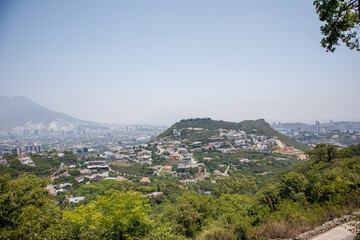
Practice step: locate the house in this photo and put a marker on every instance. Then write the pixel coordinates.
(188, 160)
(145, 179)
(155, 194)
(61, 190)
(144, 159)
(174, 155)
(217, 173)
(244, 160)
(51, 189)
(121, 179)
(288, 148)
(182, 150)
(72, 166)
(104, 174)
(85, 171)
(97, 165)
(76, 199)
(196, 144)
(216, 139)
(4, 162)
(110, 178)
(63, 185)
(80, 179)
(52, 179)
(26, 160)
(188, 181)
(206, 148)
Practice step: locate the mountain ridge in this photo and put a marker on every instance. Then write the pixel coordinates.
(19, 113)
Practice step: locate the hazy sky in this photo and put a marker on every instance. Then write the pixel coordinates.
(156, 61)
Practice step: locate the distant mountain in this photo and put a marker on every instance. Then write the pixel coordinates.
(331, 126)
(20, 113)
(260, 127)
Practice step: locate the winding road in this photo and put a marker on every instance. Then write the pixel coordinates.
(226, 171)
(60, 168)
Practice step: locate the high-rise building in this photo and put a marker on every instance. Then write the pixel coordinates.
(317, 127)
(37, 148)
(16, 151)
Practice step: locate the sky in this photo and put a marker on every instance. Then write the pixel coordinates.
(160, 61)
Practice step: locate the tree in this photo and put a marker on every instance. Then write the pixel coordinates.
(323, 152)
(27, 211)
(115, 215)
(342, 22)
(236, 184)
(189, 214)
(293, 186)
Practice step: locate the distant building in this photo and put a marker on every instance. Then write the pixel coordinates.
(177, 132)
(63, 185)
(121, 179)
(317, 127)
(32, 148)
(217, 173)
(26, 160)
(16, 151)
(4, 162)
(51, 189)
(155, 194)
(85, 171)
(97, 165)
(76, 199)
(80, 179)
(145, 179)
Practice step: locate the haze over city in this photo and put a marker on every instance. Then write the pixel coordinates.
(159, 61)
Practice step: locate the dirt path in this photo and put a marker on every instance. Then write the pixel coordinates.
(342, 232)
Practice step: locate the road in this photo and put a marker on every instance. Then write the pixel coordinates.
(338, 233)
(158, 173)
(60, 168)
(226, 171)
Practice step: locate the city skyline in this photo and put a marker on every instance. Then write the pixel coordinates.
(155, 62)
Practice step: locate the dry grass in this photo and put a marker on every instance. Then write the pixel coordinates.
(280, 228)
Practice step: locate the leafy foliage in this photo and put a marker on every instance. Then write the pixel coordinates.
(112, 216)
(236, 184)
(26, 209)
(294, 201)
(341, 18)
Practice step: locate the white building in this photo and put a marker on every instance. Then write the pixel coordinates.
(76, 199)
(26, 160)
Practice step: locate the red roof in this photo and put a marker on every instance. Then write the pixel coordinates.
(207, 147)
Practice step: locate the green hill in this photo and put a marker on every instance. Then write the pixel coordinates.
(209, 128)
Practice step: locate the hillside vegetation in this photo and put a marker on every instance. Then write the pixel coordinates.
(322, 188)
(260, 127)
